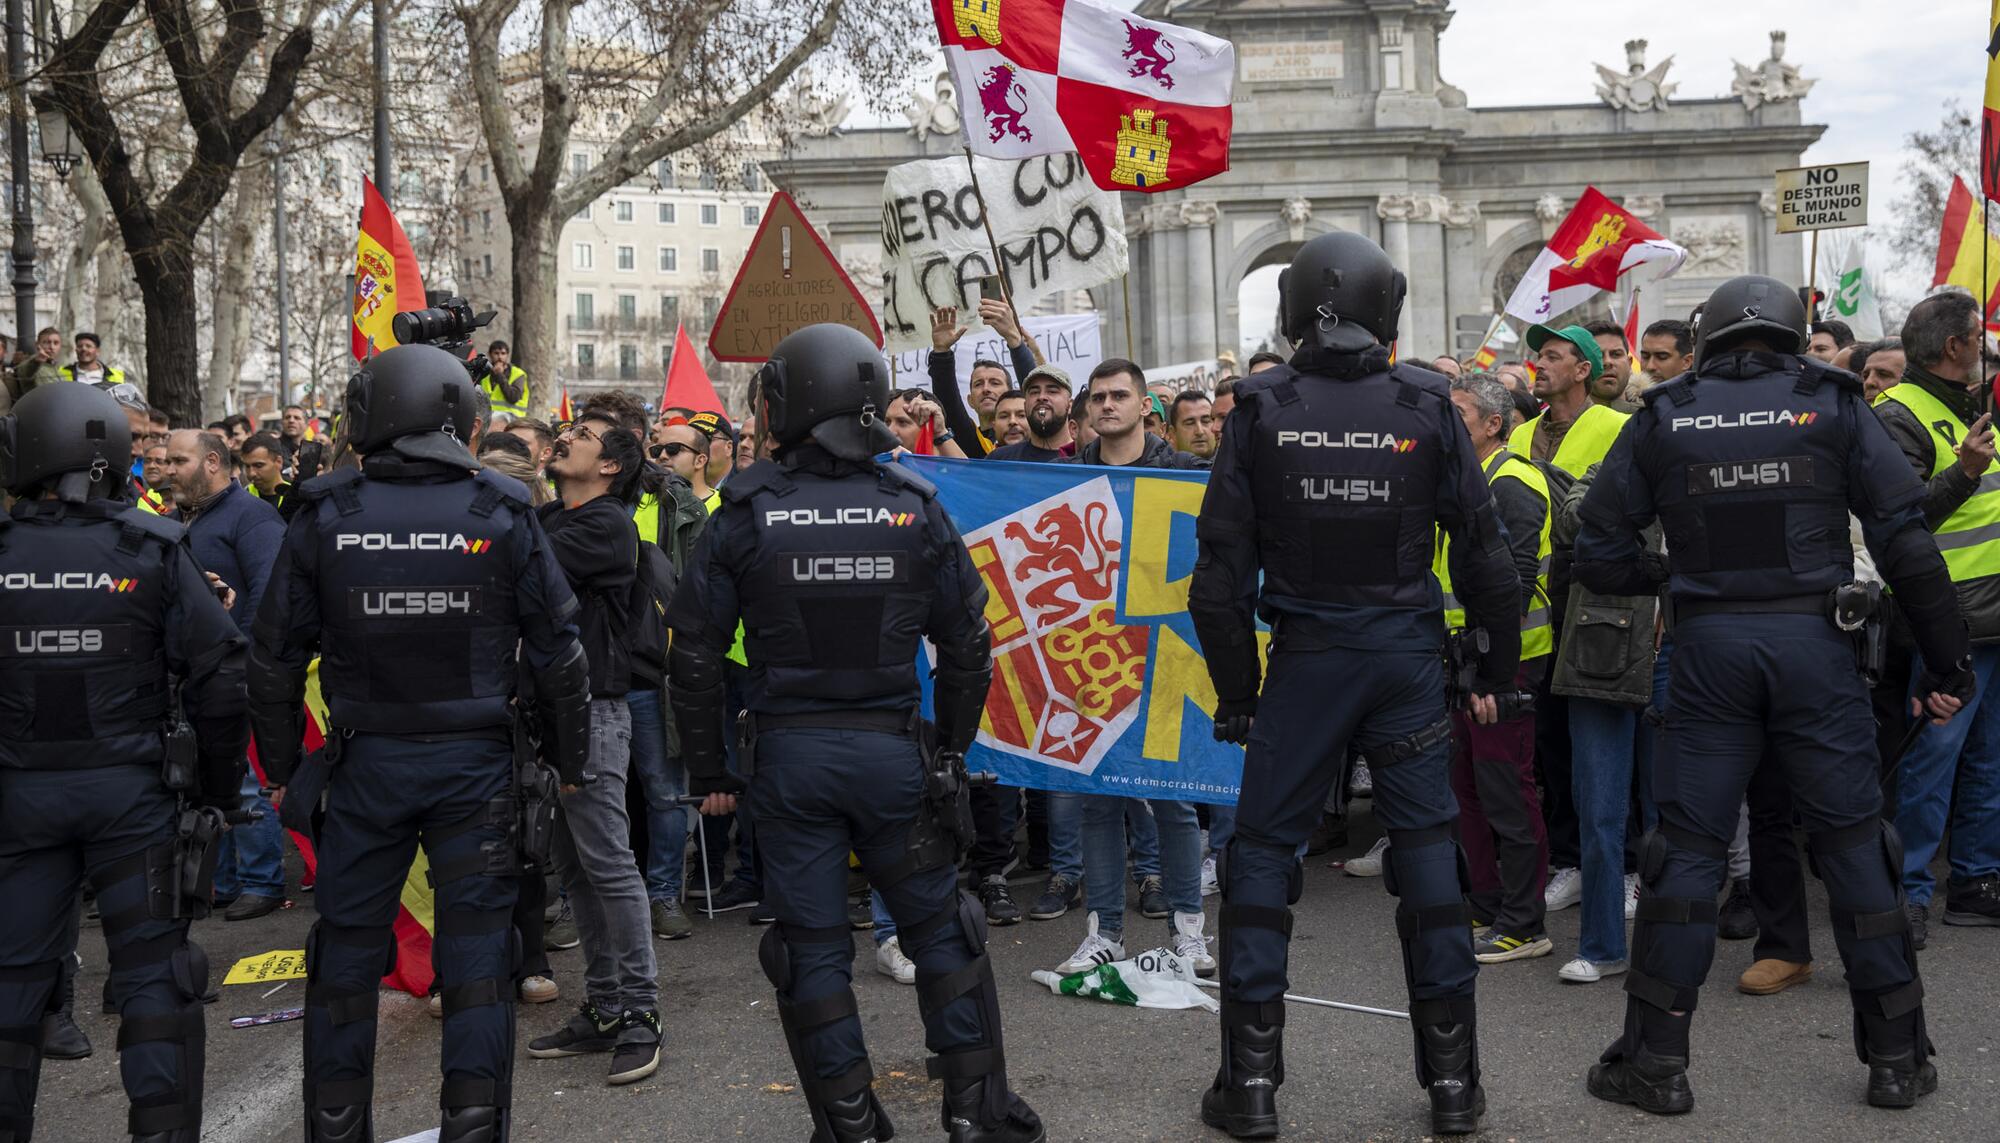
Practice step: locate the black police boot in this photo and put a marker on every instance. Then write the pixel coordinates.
(470, 1125)
(1451, 1058)
(1647, 1066)
(965, 1112)
(853, 1119)
(350, 1124)
(1244, 1098)
(61, 1038)
(1897, 1052)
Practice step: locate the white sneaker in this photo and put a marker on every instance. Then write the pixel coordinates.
(1565, 889)
(1094, 950)
(1368, 864)
(1581, 971)
(1190, 945)
(1631, 895)
(890, 962)
(1362, 783)
(1209, 885)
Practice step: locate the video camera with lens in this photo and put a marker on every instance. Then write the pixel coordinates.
(448, 323)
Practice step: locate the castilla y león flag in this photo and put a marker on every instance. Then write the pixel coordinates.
(1596, 245)
(1145, 104)
(386, 280)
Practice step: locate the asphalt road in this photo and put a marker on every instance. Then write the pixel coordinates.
(1765, 1068)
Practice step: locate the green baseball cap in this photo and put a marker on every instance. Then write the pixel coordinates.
(1583, 339)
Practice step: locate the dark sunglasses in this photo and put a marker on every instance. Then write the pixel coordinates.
(670, 450)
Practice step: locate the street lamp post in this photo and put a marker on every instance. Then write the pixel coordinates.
(22, 163)
(278, 242)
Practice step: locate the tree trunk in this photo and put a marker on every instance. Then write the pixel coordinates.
(534, 324)
(105, 304)
(93, 229)
(233, 304)
(167, 286)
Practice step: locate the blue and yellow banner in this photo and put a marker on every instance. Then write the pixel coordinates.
(1098, 680)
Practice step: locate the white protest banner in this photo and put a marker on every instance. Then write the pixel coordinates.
(1073, 343)
(1055, 229)
(1850, 290)
(1200, 375)
(1822, 198)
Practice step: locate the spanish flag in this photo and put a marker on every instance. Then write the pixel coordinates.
(564, 413)
(1966, 248)
(386, 279)
(416, 914)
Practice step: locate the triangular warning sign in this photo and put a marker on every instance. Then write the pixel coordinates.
(789, 281)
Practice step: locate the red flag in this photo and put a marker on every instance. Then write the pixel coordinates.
(1989, 114)
(1596, 245)
(1146, 104)
(563, 412)
(1632, 324)
(688, 386)
(386, 279)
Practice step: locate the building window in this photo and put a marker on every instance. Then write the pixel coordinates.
(710, 306)
(628, 258)
(666, 357)
(485, 172)
(1392, 70)
(752, 215)
(579, 163)
(711, 260)
(711, 214)
(670, 311)
(663, 173)
(666, 214)
(467, 263)
(622, 210)
(628, 307)
(486, 260)
(628, 362)
(586, 309)
(586, 360)
(753, 178)
(670, 259)
(583, 256)
(486, 221)
(584, 214)
(707, 177)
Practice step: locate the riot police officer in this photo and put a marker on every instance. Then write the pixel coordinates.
(1752, 464)
(414, 577)
(1333, 475)
(107, 622)
(839, 567)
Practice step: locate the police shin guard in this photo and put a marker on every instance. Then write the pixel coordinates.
(30, 989)
(175, 1116)
(1243, 1100)
(1435, 927)
(339, 1111)
(844, 1109)
(978, 1106)
(1862, 867)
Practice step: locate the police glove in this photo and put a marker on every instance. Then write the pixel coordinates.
(1232, 720)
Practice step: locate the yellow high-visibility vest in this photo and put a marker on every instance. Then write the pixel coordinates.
(1969, 538)
(1584, 445)
(516, 409)
(1537, 633)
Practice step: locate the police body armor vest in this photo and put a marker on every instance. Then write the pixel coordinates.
(837, 595)
(416, 598)
(1537, 632)
(1750, 481)
(83, 671)
(1969, 538)
(1345, 483)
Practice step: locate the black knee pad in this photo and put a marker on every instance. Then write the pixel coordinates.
(775, 958)
(972, 918)
(190, 968)
(1652, 857)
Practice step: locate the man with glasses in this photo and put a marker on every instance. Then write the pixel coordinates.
(683, 450)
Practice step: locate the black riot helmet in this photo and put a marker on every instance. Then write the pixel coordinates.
(828, 383)
(416, 400)
(72, 436)
(1342, 293)
(1751, 306)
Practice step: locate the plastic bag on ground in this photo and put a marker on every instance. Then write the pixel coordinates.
(1155, 978)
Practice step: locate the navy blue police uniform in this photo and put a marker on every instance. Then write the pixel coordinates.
(105, 618)
(1752, 464)
(414, 580)
(1332, 478)
(839, 568)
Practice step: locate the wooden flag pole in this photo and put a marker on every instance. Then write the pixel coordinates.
(1812, 280)
(1125, 284)
(986, 220)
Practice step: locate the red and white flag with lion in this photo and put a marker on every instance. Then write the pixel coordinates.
(1145, 104)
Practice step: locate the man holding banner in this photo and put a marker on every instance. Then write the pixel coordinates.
(1332, 478)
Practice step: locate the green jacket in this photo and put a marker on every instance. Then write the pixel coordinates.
(1604, 650)
(674, 521)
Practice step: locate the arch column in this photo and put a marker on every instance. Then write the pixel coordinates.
(1199, 219)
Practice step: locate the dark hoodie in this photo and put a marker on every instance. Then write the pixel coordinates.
(599, 552)
(1158, 454)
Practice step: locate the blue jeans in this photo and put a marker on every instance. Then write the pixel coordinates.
(1066, 835)
(1145, 838)
(1964, 752)
(885, 924)
(1609, 745)
(252, 857)
(1104, 821)
(661, 779)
